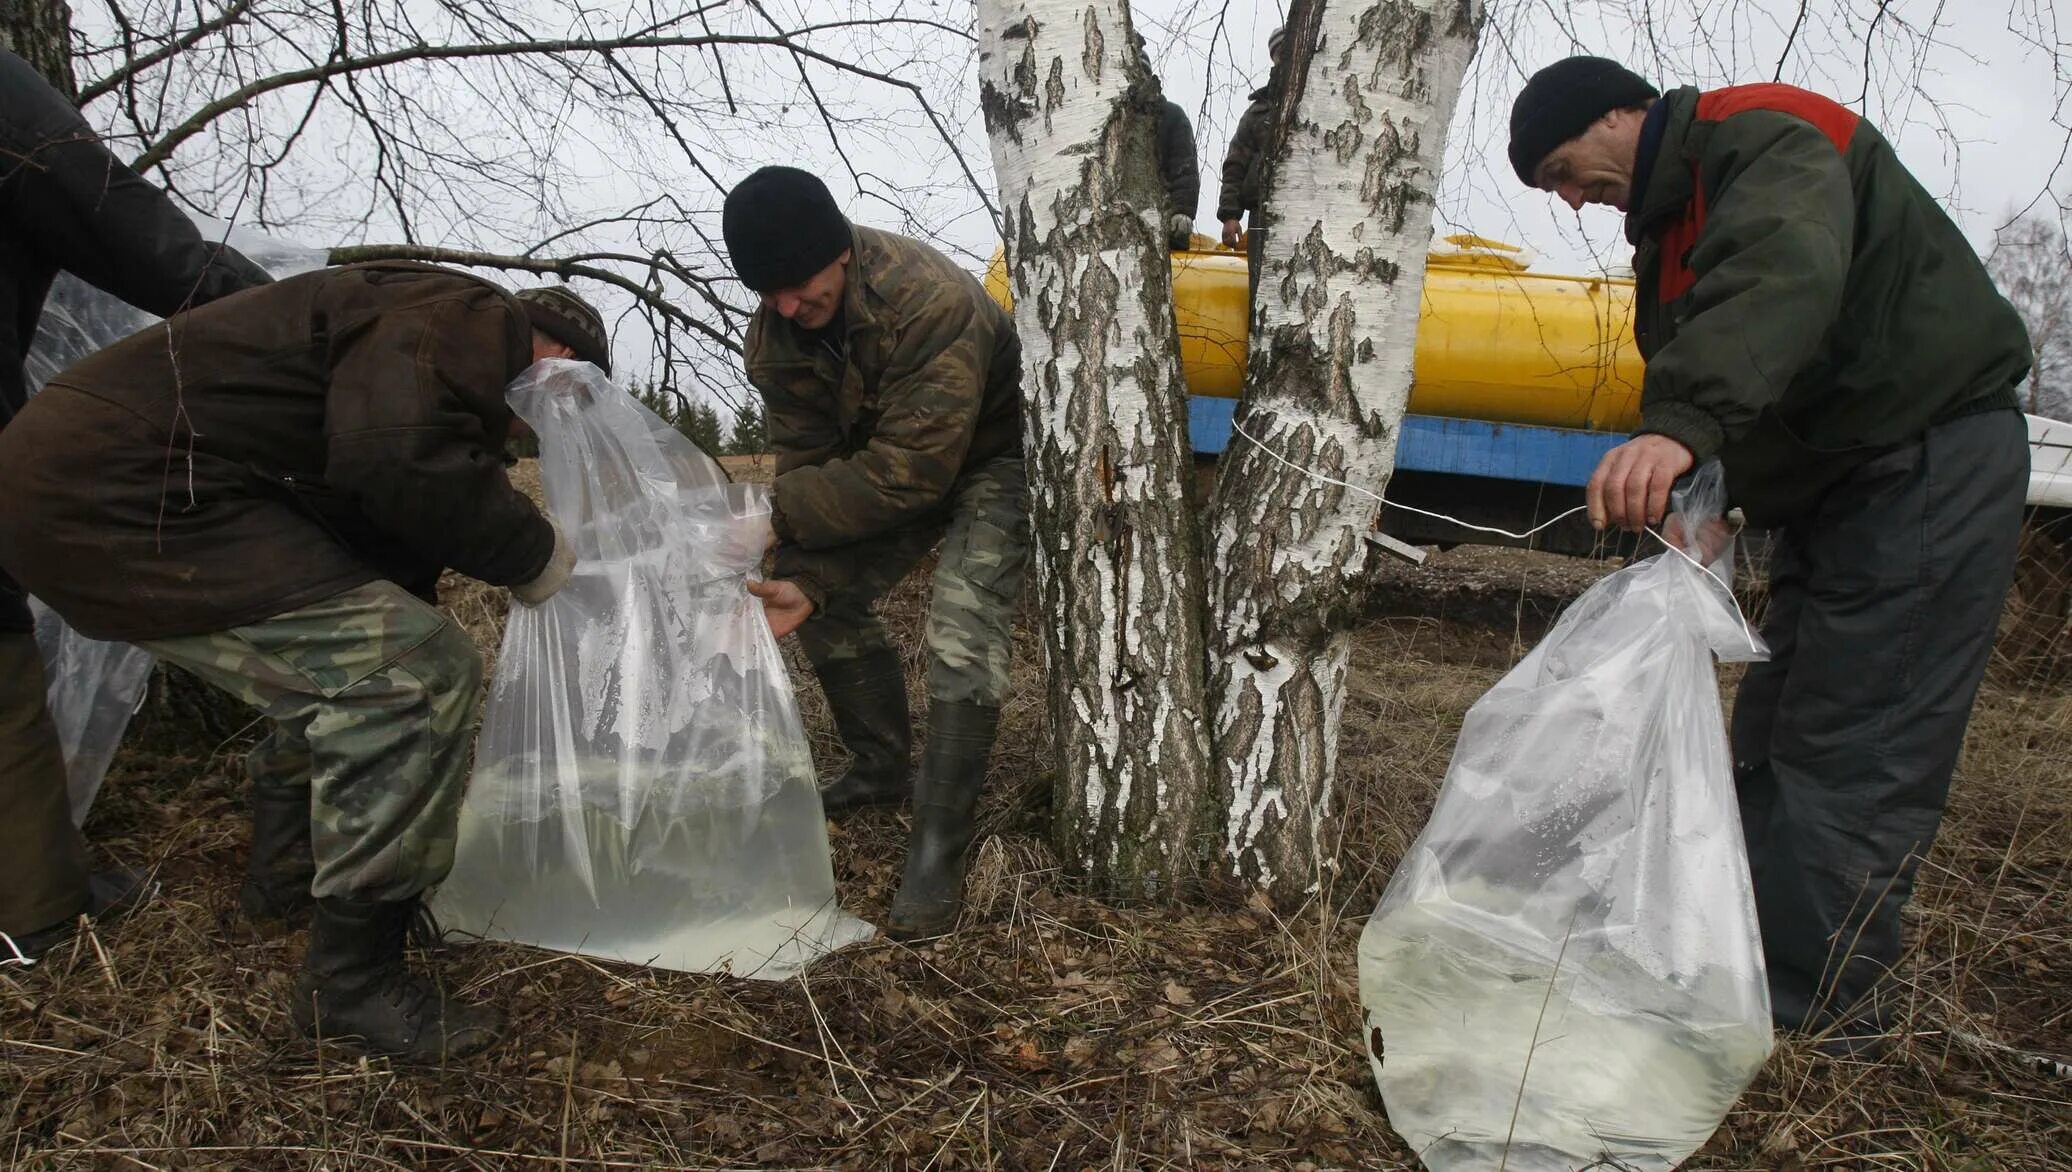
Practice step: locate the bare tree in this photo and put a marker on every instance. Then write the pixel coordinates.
(1070, 105)
(2032, 265)
(1353, 178)
(547, 138)
(1354, 173)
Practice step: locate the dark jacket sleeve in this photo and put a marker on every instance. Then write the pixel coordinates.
(818, 573)
(98, 219)
(1233, 199)
(1770, 266)
(414, 423)
(1178, 167)
(929, 398)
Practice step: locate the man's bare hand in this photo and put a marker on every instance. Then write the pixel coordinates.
(1630, 489)
(785, 606)
(1231, 229)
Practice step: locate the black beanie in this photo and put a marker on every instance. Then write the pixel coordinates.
(563, 316)
(1562, 100)
(782, 227)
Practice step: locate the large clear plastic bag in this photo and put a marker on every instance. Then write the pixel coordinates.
(643, 788)
(1565, 970)
(94, 687)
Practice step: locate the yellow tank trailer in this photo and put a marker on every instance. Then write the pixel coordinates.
(1523, 381)
(1495, 341)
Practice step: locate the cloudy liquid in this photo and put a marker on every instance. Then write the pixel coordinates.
(749, 891)
(1459, 1016)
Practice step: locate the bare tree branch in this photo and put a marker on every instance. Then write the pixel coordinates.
(232, 13)
(563, 267)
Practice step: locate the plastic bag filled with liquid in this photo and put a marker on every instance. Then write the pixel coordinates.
(1565, 969)
(643, 788)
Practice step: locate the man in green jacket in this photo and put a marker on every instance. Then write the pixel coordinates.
(336, 440)
(1813, 319)
(892, 385)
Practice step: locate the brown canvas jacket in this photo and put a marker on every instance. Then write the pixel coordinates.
(274, 448)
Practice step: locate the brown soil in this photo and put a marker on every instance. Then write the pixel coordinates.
(1052, 1031)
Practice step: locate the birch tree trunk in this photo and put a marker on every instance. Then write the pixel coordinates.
(1070, 108)
(1333, 334)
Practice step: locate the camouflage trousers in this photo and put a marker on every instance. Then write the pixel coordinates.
(371, 693)
(978, 582)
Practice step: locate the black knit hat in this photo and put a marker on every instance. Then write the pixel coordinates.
(1562, 100)
(557, 312)
(782, 227)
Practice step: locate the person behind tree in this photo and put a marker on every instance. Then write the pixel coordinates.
(893, 392)
(336, 441)
(1179, 170)
(1244, 165)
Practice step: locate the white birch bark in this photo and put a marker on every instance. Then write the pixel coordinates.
(1070, 108)
(1333, 335)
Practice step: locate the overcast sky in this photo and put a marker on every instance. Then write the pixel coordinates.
(1973, 92)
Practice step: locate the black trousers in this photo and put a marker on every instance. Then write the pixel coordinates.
(1883, 608)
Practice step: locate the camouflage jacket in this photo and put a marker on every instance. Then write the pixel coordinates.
(1244, 166)
(873, 439)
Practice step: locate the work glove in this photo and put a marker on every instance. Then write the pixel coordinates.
(1180, 231)
(560, 564)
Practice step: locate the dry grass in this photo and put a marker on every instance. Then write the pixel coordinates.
(1051, 1032)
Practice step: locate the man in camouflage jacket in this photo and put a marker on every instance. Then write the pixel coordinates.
(1813, 319)
(336, 439)
(892, 387)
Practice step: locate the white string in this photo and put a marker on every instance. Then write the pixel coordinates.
(1746, 629)
(1370, 493)
(19, 958)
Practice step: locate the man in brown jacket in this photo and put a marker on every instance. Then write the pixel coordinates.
(259, 490)
(893, 393)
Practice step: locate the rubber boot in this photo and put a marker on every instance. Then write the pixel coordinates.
(354, 987)
(869, 702)
(953, 770)
(280, 868)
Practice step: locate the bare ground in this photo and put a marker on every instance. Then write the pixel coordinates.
(1052, 1031)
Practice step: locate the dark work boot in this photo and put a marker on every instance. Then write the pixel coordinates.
(354, 986)
(869, 702)
(280, 868)
(953, 770)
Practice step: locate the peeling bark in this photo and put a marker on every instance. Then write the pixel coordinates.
(1333, 337)
(1070, 109)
